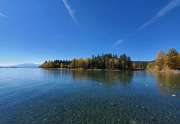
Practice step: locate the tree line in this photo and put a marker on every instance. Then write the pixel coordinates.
(166, 61)
(104, 61)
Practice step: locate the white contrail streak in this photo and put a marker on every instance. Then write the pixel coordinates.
(161, 13)
(70, 11)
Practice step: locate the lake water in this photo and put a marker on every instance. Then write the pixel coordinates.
(39, 96)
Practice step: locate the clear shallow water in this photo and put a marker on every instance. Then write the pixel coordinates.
(38, 96)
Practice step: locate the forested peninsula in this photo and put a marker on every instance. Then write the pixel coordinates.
(163, 61)
(104, 61)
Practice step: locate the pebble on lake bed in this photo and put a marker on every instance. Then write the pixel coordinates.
(133, 122)
(173, 95)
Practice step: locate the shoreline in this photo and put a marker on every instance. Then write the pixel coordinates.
(80, 69)
(166, 71)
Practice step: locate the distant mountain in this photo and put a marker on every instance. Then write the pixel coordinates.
(25, 65)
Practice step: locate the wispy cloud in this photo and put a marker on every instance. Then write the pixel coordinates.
(161, 13)
(117, 43)
(2, 14)
(70, 11)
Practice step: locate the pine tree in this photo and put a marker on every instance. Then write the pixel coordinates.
(172, 57)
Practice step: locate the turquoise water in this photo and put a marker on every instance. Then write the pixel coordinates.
(38, 96)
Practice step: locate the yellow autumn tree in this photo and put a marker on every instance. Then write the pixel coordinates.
(160, 60)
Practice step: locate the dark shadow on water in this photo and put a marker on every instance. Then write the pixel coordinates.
(100, 76)
(106, 77)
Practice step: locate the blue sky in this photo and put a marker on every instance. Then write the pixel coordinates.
(32, 31)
